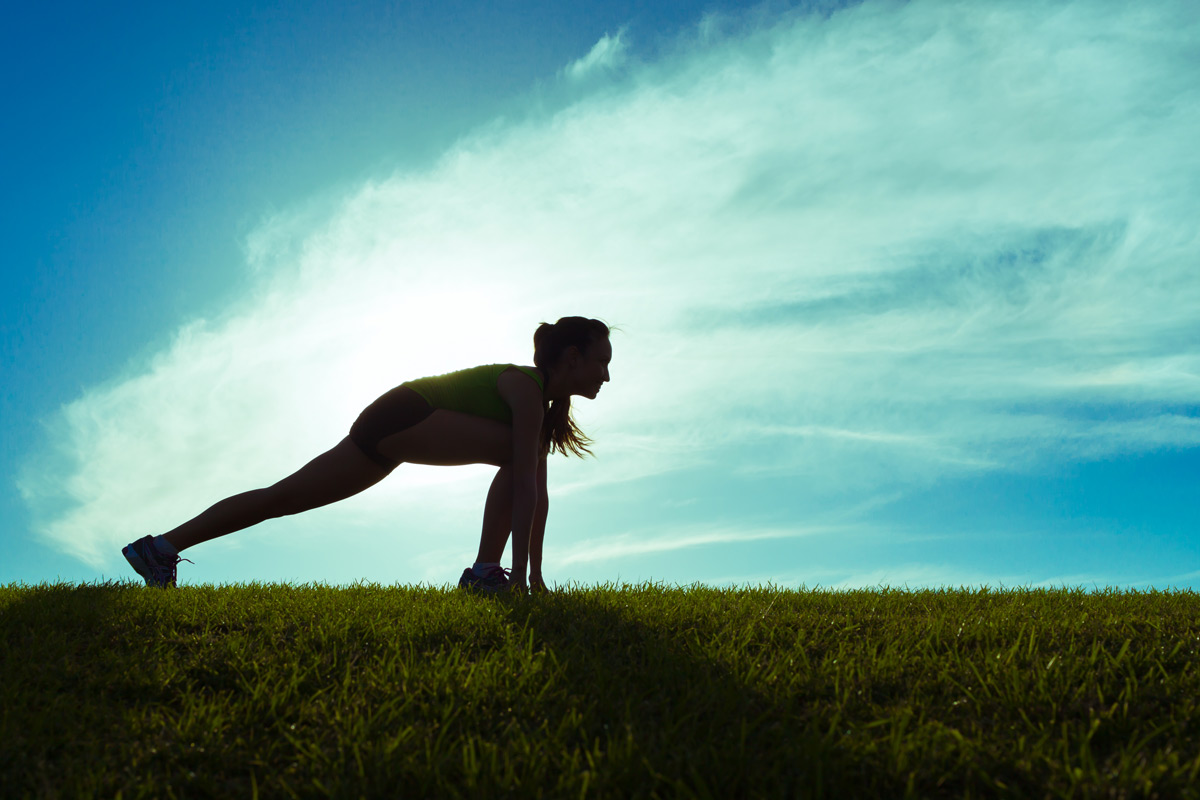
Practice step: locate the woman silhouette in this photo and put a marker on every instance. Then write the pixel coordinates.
(506, 415)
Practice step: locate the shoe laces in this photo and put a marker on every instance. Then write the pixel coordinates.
(503, 573)
(169, 561)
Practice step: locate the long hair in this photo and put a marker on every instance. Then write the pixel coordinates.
(550, 342)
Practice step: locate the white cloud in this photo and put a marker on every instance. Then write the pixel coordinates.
(904, 242)
(636, 543)
(609, 53)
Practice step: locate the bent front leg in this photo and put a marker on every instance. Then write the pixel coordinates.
(497, 518)
(497, 521)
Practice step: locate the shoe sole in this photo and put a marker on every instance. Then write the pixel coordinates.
(137, 563)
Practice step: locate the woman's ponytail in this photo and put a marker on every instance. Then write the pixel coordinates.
(550, 342)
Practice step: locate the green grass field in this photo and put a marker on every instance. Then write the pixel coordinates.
(640, 691)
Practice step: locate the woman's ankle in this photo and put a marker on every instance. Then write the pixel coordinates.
(165, 546)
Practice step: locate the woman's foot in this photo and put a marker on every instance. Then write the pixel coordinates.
(155, 566)
(493, 580)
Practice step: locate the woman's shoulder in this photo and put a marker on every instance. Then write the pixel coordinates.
(518, 369)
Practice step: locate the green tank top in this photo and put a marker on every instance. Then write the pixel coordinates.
(471, 391)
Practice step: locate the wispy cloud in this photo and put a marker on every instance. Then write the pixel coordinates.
(609, 53)
(872, 250)
(631, 544)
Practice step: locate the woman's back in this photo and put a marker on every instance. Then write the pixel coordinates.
(472, 390)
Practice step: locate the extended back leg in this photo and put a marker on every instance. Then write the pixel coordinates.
(334, 475)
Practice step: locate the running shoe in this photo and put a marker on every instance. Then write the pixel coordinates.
(493, 580)
(155, 566)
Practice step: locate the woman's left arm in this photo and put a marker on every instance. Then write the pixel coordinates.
(536, 534)
(538, 531)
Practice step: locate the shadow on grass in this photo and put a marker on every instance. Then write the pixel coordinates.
(668, 714)
(647, 702)
(64, 676)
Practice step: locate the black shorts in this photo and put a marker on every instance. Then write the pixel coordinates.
(394, 411)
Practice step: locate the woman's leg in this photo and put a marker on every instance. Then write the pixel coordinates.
(444, 438)
(334, 475)
(497, 518)
(449, 439)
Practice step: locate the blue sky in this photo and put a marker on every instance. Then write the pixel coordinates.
(907, 291)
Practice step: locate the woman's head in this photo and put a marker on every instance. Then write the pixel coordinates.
(574, 353)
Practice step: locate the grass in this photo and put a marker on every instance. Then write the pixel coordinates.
(269, 690)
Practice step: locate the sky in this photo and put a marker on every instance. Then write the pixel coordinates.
(906, 292)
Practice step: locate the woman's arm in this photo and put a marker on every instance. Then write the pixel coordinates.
(538, 531)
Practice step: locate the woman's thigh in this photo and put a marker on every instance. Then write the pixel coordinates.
(334, 475)
(451, 438)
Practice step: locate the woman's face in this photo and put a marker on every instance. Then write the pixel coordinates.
(594, 368)
(582, 373)
(587, 372)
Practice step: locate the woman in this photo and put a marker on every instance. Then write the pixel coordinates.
(501, 414)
